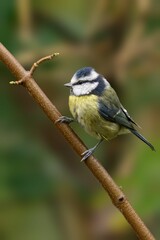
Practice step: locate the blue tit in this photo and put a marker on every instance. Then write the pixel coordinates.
(96, 106)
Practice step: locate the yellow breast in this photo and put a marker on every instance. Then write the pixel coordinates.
(82, 107)
(85, 110)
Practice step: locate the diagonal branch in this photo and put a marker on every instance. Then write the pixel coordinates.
(117, 196)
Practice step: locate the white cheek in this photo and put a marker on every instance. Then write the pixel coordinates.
(84, 89)
(77, 90)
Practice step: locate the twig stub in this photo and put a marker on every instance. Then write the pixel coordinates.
(33, 68)
(41, 60)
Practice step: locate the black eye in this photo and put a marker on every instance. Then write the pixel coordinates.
(79, 82)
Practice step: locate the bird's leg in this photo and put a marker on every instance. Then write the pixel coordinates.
(90, 151)
(64, 119)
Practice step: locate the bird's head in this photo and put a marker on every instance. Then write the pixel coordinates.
(87, 81)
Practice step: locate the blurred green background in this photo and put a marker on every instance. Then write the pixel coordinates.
(45, 192)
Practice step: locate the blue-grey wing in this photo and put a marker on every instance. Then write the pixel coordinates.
(111, 109)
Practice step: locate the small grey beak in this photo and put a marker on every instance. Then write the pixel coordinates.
(68, 84)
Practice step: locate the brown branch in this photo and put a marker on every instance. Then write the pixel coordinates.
(117, 196)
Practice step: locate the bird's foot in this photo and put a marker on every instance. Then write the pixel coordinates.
(87, 154)
(90, 151)
(64, 119)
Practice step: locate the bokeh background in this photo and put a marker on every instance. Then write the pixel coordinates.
(45, 192)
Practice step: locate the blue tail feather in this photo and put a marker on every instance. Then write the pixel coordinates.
(137, 134)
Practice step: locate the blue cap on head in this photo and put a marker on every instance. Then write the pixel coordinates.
(83, 72)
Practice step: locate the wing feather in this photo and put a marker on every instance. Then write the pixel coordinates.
(111, 109)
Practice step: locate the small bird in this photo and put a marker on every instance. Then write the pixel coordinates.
(96, 106)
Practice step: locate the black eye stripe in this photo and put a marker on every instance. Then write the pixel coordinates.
(80, 82)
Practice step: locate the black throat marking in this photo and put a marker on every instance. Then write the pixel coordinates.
(101, 86)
